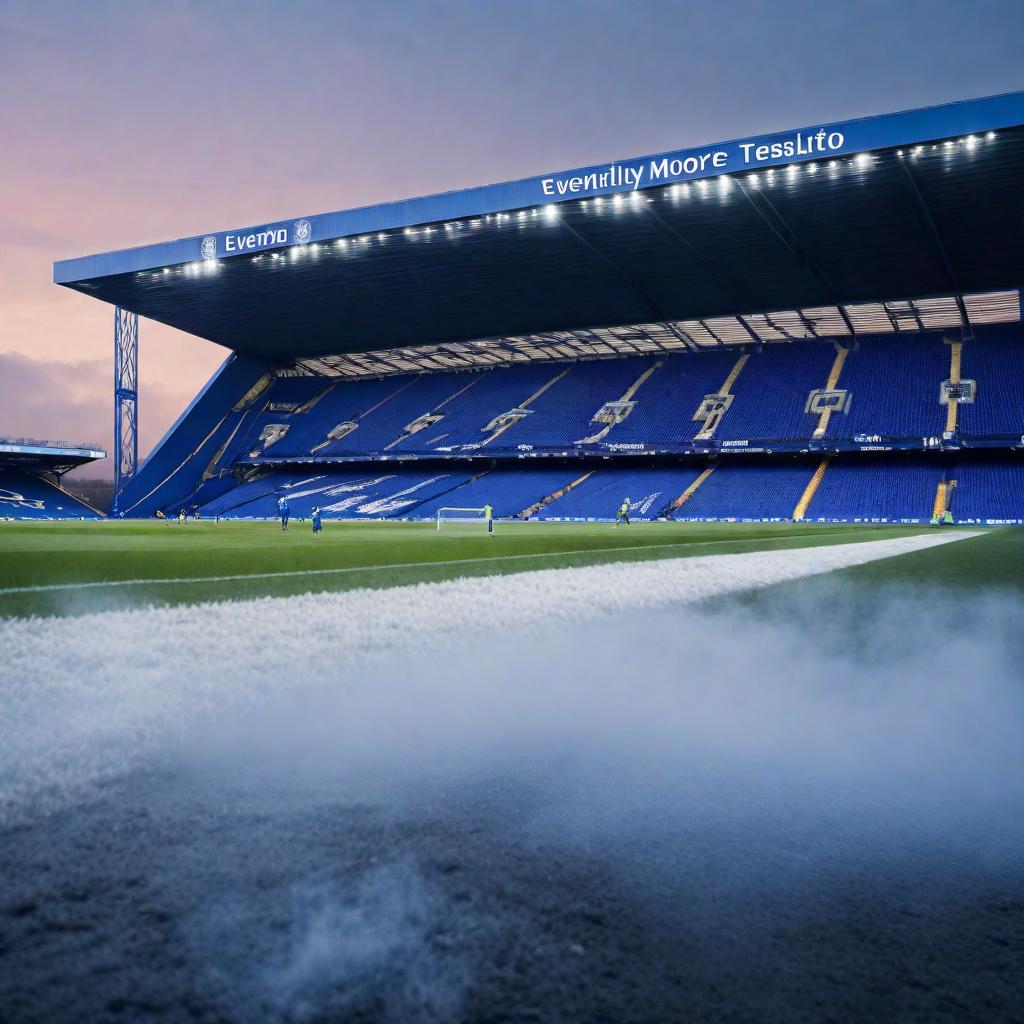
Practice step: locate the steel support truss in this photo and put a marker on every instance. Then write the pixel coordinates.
(126, 401)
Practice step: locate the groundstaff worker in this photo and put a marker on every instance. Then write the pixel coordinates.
(489, 516)
(622, 516)
(317, 523)
(282, 509)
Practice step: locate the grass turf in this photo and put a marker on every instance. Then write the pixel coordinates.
(43, 566)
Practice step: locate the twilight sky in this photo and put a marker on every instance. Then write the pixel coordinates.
(133, 121)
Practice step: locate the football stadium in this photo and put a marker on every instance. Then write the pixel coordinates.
(820, 326)
(593, 596)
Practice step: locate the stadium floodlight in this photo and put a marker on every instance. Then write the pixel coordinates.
(812, 168)
(990, 136)
(971, 141)
(550, 212)
(617, 201)
(862, 160)
(471, 516)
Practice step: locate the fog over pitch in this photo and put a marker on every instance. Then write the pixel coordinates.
(665, 809)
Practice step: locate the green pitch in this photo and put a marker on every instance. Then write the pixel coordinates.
(69, 568)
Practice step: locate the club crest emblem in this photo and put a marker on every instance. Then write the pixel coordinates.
(209, 247)
(303, 231)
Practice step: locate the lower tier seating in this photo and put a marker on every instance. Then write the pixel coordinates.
(888, 489)
(883, 487)
(26, 496)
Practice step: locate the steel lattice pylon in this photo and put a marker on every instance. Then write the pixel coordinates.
(126, 401)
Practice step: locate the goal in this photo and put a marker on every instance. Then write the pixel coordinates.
(461, 515)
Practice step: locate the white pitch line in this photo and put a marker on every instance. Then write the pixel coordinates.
(163, 581)
(121, 684)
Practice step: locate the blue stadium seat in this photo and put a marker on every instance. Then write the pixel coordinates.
(883, 487)
(649, 491)
(988, 489)
(26, 496)
(748, 491)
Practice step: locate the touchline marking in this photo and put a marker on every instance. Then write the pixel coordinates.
(97, 584)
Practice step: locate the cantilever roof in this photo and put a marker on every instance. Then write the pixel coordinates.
(33, 453)
(919, 204)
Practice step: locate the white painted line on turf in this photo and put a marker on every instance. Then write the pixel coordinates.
(344, 570)
(90, 708)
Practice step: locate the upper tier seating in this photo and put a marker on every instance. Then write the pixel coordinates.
(995, 360)
(892, 385)
(667, 402)
(772, 390)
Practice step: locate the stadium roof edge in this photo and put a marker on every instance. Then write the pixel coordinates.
(753, 153)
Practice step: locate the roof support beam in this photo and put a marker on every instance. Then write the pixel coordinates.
(686, 339)
(703, 324)
(926, 215)
(724, 281)
(656, 312)
(750, 330)
(764, 209)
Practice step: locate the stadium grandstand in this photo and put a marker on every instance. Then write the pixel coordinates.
(31, 474)
(820, 325)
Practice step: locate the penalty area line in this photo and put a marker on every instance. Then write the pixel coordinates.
(349, 569)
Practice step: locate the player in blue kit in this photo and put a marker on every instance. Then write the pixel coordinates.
(317, 523)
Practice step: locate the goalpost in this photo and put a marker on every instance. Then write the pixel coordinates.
(461, 515)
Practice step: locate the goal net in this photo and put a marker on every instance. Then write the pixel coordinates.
(461, 515)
